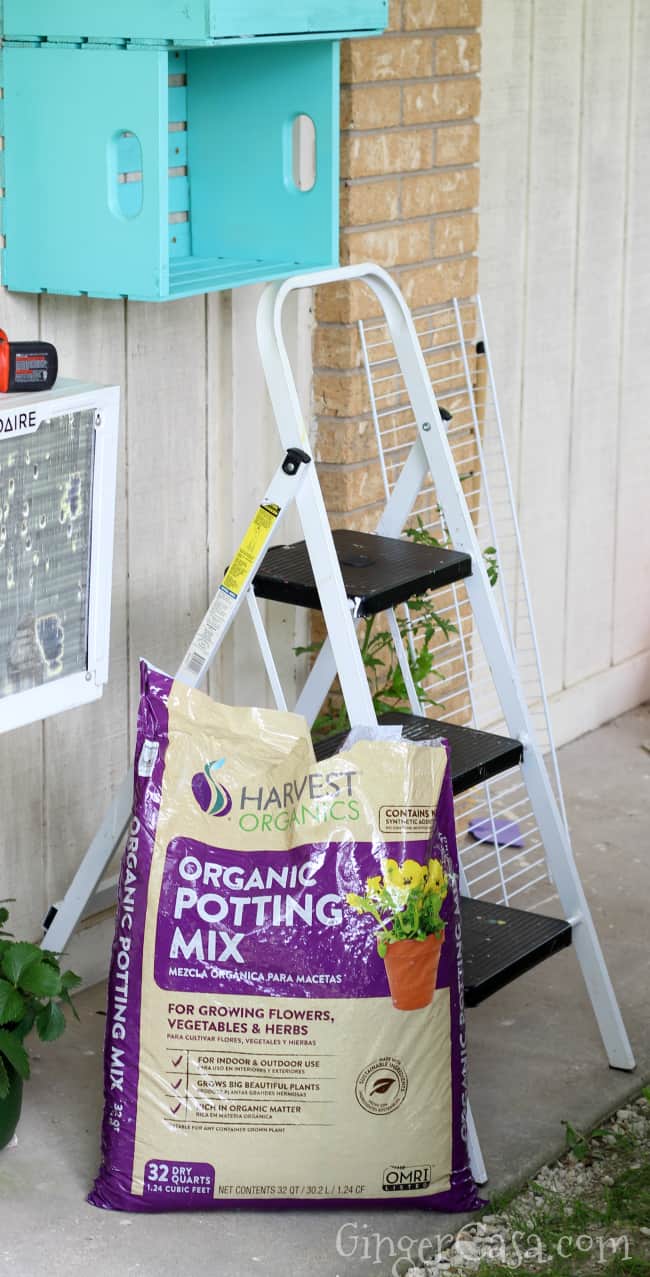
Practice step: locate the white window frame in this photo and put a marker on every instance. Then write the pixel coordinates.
(72, 690)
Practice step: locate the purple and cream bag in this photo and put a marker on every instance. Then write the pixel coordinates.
(285, 1010)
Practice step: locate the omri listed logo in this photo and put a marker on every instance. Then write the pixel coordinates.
(406, 1179)
(212, 797)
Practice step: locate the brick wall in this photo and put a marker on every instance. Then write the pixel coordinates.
(409, 191)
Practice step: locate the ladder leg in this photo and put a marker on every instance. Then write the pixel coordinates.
(323, 673)
(601, 991)
(265, 649)
(335, 605)
(311, 508)
(576, 908)
(317, 685)
(97, 857)
(400, 651)
(477, 1165)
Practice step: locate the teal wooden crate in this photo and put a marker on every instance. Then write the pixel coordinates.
(188, 21)
(156, 174)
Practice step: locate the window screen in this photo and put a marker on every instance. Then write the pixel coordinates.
(45, 532)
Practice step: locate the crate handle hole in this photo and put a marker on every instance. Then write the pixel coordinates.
(303, 153)
(125, 176)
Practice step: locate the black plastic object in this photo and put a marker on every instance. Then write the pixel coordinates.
(377, 571)
(49, 917)
(475, 756)
(294, 459)
(27, 365)
(501, 943)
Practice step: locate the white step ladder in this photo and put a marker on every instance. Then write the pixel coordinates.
(319, 581)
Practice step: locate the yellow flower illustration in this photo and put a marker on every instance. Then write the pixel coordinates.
(392, 873)
(413, 873)
(436, 879)
(405, 902)
(354, 901)
(394, 883)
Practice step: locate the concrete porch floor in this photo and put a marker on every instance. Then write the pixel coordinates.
(535, 1056)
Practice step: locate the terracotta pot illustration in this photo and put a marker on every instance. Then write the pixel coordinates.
(412, 969)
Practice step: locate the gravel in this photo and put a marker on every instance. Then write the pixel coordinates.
(573, 1179)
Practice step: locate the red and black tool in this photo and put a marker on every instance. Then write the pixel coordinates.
(27, 365)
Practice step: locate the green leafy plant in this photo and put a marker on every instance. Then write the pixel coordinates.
(418, 629)
(491, 564)
(579, 1144)
(405, 901)
(33, 994)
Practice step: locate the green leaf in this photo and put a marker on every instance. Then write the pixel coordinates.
(422, 534)
(50, 1022)
(15, 1053)
(382, 706)
(67, 1001)
(17, 957)
(4, 1080)
(69, 980)
(309, 649)
(26, 1025)
(12, 1005)
(41, 979)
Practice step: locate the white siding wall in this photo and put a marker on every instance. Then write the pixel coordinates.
(565, 276)
(565, 279)
(197, 446)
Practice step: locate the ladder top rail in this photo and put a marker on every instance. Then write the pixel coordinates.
(333, 275)
(275, 359)
(290, 417)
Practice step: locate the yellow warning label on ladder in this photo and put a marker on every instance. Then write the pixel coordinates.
(252, 542)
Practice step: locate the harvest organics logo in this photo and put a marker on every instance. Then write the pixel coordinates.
(212, 797)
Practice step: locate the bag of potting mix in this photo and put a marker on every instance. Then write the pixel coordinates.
(285, 1013)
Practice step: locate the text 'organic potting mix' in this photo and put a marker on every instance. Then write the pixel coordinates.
(285, 1018)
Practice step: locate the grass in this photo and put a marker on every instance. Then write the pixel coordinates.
(573, 1235)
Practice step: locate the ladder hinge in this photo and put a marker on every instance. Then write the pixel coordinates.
(294, 459)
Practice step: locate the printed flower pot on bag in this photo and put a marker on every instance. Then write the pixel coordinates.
(412, 969)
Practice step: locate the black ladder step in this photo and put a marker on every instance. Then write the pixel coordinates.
(501, 943)
(475, 756)
(378, 571)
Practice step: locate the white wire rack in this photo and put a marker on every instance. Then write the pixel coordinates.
(503, 858)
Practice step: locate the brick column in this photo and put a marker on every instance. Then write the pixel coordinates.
(409, 190)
